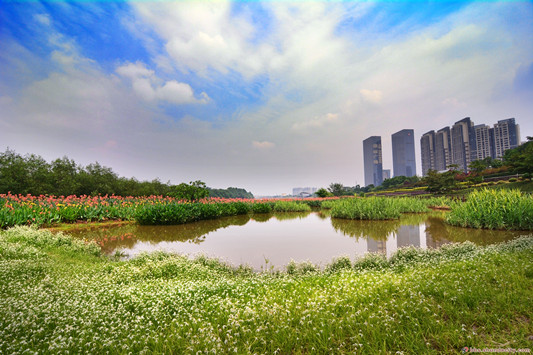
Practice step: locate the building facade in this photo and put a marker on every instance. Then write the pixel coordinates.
(373, 161)
(427, 151)
(506, 136)
(483, 143)
(443, 149)
(403, 153)
(463, 143)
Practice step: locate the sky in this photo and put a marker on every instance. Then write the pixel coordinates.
(261, 95)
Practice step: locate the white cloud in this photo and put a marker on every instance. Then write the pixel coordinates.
(43, 19)
(150, 88)
(263, 145)
(373, 96)
(317, 122)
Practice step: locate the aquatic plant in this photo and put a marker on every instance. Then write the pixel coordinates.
(366, 208)
(493, 209)
(290, 206)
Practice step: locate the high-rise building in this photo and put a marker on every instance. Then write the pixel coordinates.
(483, 144)
(443, 149)
(403, 153)
(427, 150)
(506, 136)
(373, 161)
(386, 174)
(463, 143)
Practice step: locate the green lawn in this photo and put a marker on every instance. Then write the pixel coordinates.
(59, 295)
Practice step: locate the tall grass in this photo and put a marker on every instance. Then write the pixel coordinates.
(366, 208)
(180, 213)
(494, 209)
(378, 208)
(57, 299)
(291, 206)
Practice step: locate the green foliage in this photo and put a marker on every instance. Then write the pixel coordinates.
(230, 192)
(194, 191)
(31, 174)
(366, 208)
(180, 213)
(440, 182)
(520, 159)
(494, 209)
(262, 207)
(322, 192)
(291, 206)
(336, 189)
(57, 300)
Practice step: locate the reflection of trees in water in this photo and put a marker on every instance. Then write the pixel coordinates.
(126, 236)
(285, 216)
(440, 232)
(261, 217)
(377, 230)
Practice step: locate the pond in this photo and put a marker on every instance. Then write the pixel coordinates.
(273, 240)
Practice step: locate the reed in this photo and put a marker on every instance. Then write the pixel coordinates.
(493, 209)
(366, 208)
(291, 206)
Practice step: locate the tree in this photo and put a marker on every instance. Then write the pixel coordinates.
(336, 188)
(520, 159)
(194, 191)
(322, 192)
(440, 182)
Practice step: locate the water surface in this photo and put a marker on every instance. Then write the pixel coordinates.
(276, 239)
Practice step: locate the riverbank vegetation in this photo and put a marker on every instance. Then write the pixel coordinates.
(379, 208)
(60, 295)
(49, 210)
(494, 209)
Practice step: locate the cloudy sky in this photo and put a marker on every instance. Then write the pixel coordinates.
(265, 96)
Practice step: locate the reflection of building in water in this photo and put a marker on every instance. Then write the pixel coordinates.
(408, 235)
(434, 243)
(376, 246)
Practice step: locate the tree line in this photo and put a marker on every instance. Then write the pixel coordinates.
(32, 174)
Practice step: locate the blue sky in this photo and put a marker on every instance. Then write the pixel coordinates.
(262, 95)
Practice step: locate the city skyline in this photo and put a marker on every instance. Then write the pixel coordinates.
(263, 96)
(466, 142)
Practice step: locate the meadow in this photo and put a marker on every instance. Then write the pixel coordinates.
(61, 295)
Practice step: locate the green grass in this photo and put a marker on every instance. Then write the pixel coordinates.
(494, 209)
(58, 295)
(378, 208)
(291, 206)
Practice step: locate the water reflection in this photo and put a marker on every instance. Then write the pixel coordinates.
(280, 237)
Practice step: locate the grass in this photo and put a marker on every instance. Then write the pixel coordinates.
(59, 295)
(494, 209)
(291, 206)
(378, 208)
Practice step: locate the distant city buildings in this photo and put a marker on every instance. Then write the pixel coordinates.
(386, 174)
(466, 142)
(373, 161)
(303, 191)
(403, 153)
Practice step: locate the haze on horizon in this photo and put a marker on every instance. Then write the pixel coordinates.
(265, 96)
